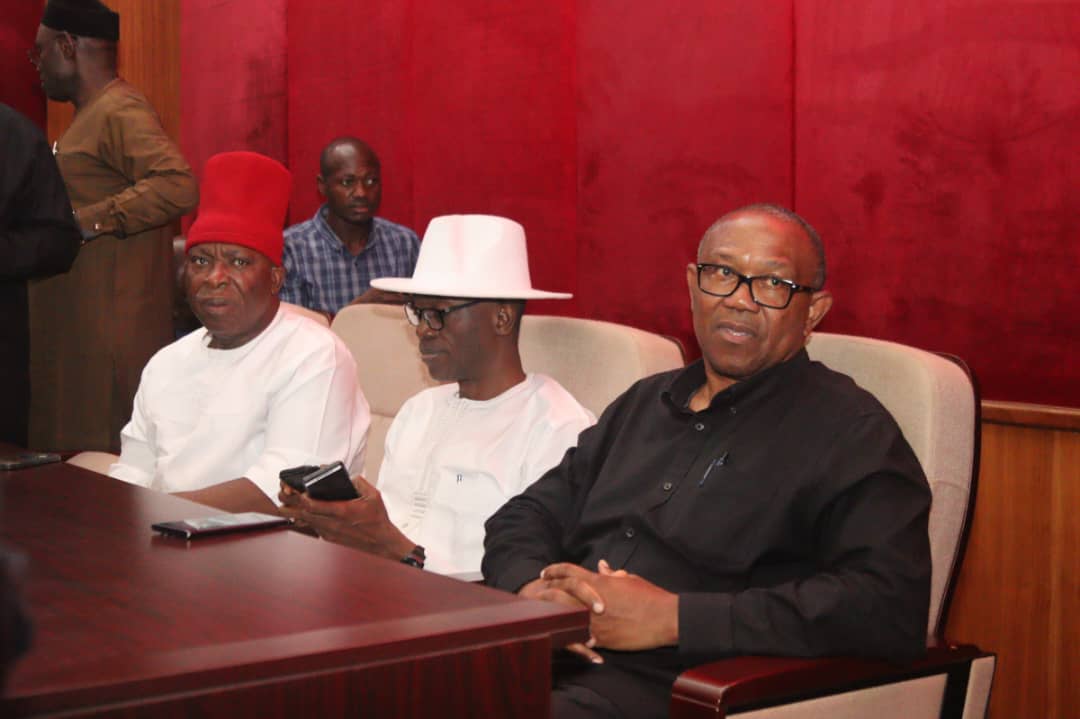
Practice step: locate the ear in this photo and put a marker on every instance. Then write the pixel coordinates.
(277, 278)
(68, 47)
(505, 319)
(320, 182)
(691, 282)
(820, 304)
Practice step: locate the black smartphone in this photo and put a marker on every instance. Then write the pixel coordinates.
(219, 524)
(294, 476)
(22, 460)
(329, 483)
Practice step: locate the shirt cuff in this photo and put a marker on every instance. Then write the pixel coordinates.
(705, 624)
(519, 575)
(97, 219)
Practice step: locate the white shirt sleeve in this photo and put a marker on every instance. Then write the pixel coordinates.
(319, 414)
(137, 457)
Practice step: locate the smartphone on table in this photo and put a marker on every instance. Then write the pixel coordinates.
(219, 524)
(22, 460)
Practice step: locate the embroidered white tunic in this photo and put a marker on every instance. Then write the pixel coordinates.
(451, 462)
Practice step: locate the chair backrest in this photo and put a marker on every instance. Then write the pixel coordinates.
(594, 361)
(934, 401)
(305, 312)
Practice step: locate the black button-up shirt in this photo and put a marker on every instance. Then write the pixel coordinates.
(790, 516)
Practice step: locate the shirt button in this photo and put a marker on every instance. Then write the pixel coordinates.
(700, 426)
(732, 409)
(668, 486)
(629, 532)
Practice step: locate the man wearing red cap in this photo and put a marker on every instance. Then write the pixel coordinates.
(220, 412)
(94, 328)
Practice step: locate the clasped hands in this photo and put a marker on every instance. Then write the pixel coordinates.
(626, 612)
(360, 523)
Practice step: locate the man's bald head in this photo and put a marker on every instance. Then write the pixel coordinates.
(781, 213)
(329, 158)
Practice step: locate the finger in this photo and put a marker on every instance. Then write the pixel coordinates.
(580, 590)
(290, 512)
(550, 594)
(607, 571)
(564, 570)
(326, 509)
(362, 486)
(584, 651)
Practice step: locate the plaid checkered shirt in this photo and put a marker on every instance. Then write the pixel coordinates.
(321, 273)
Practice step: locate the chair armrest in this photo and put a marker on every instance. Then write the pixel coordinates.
(741, 683)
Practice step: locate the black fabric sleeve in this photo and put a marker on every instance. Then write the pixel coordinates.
(38, 235)
(532, 530)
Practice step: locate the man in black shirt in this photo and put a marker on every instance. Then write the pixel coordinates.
(38, 238)
(754, 502)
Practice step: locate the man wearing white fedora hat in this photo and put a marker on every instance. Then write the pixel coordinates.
(457, 452)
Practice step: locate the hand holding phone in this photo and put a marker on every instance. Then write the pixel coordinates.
(329, 483)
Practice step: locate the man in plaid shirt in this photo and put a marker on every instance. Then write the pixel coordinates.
(331, 259)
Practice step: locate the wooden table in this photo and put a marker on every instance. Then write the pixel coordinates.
(266, 624)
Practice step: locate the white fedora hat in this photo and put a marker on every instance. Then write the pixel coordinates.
(479, 256)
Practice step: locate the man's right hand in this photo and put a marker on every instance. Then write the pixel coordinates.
(359, 523)
(585, 596)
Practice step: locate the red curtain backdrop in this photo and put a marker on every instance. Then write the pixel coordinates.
(19, 84)
(932, 142)
(937, 153)
(232, 79)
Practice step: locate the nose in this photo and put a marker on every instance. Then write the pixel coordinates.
(422, 329)
(741, 299)
(217, 274)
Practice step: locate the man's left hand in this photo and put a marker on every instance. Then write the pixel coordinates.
(632, 613)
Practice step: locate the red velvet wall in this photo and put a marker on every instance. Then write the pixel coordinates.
(932, 142)
(937, 153)
(232, 79)
(19, 84)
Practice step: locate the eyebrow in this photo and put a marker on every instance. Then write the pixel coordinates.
(729, 259)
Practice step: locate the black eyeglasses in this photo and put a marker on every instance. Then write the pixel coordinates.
(765, 290)
(433, 316)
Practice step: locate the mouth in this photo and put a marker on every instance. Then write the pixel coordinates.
(735, 333)
(213, 304)
(428, 353)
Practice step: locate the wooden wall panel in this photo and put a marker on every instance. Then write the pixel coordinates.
(149, 58)
(1019, 589)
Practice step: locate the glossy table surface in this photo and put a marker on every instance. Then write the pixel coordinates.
(121, 613)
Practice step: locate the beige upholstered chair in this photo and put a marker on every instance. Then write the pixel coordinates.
(305, 312)
(94, 461)
(595, 361)
(935, 403)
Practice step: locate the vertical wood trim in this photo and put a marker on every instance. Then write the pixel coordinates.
(1019, 590)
